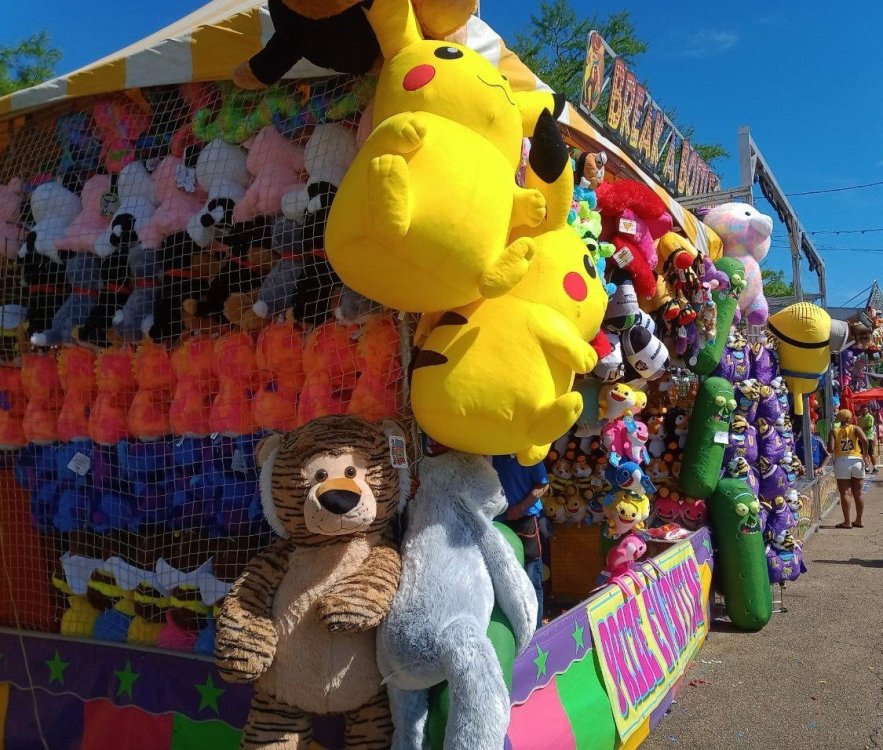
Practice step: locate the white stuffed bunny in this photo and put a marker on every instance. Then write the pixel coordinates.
(54, 207)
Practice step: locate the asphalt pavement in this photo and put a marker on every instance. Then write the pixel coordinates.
(813, 678)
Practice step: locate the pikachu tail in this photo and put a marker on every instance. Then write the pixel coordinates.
(548, 170)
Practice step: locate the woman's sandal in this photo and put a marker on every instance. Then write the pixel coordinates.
(842, 526)
(858, 525)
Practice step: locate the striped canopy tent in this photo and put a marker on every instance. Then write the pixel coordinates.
(207, 44)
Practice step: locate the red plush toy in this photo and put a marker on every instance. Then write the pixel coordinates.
(279, 355)
(237, 377)
(43, 390)
(633, 217)
(331, 372)
(197, 383)
(12, 410)
(76, 371)
(376, 393)
(115, 379)
(149, 415)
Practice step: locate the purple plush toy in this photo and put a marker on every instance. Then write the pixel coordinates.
(774, 480)
(771, 444)
(747, 399)
(764, 367)
(769, 407)
(739, 468)
(743, 441)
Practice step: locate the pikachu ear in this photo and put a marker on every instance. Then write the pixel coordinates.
(395, 24)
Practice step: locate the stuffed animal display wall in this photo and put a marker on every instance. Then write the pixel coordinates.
(300, 623)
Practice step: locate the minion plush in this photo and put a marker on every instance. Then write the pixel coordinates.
(806, 336)
(494, 377)
(446, 123)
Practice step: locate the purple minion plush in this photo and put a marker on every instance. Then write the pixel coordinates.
(773, 480)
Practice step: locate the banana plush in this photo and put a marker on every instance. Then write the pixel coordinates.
(806, 336)
(420, 222)
(494, 377)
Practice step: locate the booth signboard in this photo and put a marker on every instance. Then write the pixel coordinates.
(640, 126)
(645, 640)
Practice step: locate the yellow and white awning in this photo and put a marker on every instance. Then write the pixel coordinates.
(210, 42)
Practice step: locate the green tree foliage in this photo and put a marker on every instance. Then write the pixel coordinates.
(28, 62)
(774, 284)
(553, 45)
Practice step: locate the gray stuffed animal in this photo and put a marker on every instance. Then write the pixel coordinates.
(144, 268)
(83, 273)
(279, 286)
(454, 564)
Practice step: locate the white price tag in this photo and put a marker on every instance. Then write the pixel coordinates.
(628, 226)
(722, 438)
(80, 464)
(237, 463)
(398, 454)
(623, 257)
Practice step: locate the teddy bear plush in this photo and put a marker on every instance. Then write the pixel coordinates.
(301, 622)
(155, 377)
(331, 372)
(745, 233)
(76, 373)
(633, 218)
(235, 287)
(279, 357)
(222, 172)
(177, 199)
(375, 396)
(115, 382)
(10, 218)
(82, 233)
(455, 567)
(197, 384)
(42, 389)
(237, 379)
(276, 166)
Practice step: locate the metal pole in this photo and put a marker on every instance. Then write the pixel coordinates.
(809, 464)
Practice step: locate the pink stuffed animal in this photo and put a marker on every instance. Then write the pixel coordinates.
(88, 225)
(277, 166)
(624, 555)
(119, 121)
(629, 446)
(745, 233)
(694, 515)
(10, 218)
(176, 203)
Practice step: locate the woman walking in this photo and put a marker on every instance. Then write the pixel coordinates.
(848, 445)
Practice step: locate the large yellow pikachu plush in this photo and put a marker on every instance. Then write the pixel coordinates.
(494, 377)
(422, 218)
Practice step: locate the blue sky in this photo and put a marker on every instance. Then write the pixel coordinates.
(810, 96)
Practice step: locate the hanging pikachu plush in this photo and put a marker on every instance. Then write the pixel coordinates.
(446, 123)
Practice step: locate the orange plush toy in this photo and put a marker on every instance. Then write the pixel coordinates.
(43, 390)
(279, 355)
(115, 379)
(76, 371)
(12, 409)
(149, 415)
(197, 383)
(237, 379)
(331, 371)
(376, 394)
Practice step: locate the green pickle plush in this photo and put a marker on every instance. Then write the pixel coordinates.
(741, 560)
(503, 639)
(708, 358)
(708, 438)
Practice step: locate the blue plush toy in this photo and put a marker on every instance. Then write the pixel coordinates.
(627, 475)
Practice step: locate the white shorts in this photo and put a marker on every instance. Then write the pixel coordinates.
(849, 467)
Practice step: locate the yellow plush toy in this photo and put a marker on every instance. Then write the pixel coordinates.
(494, 377)
(421, 220)
(806, 335)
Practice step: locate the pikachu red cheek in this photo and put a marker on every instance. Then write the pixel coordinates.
(417, 77)
(575, 286)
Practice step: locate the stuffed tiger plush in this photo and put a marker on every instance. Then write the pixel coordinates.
(300, 621)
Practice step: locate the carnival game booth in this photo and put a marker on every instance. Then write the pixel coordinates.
(190, 270)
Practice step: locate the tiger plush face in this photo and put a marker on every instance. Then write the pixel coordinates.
(332, 477)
